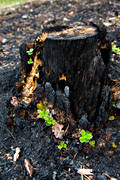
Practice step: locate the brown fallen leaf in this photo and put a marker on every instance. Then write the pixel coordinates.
(28, 167)
(14, 101)
(57, 130)
(16, 155)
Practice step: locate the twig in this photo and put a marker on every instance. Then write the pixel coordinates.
(11, 134)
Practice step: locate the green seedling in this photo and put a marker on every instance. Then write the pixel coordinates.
(44, 114)
(92, 143)
(30, 61)
(86, 136)
(115, 49)
(42, 27)
(62, 145)
(114, 145)
(111, 118)
(113, 104)
(30, 52)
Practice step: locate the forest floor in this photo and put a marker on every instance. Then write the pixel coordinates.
(36, 141)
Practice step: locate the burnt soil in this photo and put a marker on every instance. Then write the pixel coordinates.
(35, 140)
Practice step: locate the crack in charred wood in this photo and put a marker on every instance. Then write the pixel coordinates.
(31, 81)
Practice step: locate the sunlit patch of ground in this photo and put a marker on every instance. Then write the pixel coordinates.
(6, 3)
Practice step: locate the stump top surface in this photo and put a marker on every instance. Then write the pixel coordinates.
(76, 32)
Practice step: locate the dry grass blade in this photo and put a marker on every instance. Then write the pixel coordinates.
(28, 167)
(85, 171)
(16, 155)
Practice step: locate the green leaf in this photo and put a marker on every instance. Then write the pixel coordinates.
(47, 112)
(65, 19)
(113, 47)
(65, 146)
(86, 140)
(62, 145)
(59, 147)
(30, 52)
(41, 116)
(39, 111)
(86, 136)
(47, 123)
(30, 61)
(83, 132)
(89, 135)
(92, 143)
(53, 122)
(113, 104)
(117, 49)
(82, 139)
(111, 118)
(114, 145)
(46, 117)
(42, 27)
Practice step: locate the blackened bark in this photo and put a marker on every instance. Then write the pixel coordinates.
(79, 58)
(76, 57)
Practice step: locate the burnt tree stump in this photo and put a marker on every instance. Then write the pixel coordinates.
(77, 57)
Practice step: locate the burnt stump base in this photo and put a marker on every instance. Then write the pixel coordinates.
(74, 57)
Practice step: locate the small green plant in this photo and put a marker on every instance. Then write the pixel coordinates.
(111, 118)
(30, 61)
(30, 52)
(62, 145)
(44, 114)
(92, 143)
(42, 27)
(113, 104)
(86, 136)
(115, 49)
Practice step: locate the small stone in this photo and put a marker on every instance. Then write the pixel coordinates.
(71, 162)
(53, 112)
(24, 16)
(107, 24)
(112, 18)
(31, 10)
(66, 91)
(47, 85)
(117, 106)
(83, 122)
(4, 40)
(54, 175)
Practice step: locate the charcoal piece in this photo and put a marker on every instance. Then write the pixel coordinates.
(83, 122)
(62, 101)
(67, 91)
(49, 93)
